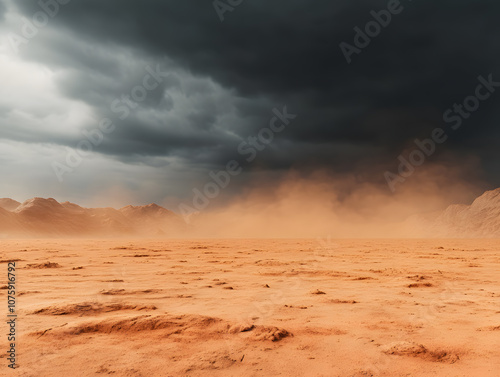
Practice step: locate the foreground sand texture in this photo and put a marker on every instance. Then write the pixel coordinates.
(255, 307)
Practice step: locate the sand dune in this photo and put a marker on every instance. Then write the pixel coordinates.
(410, 349)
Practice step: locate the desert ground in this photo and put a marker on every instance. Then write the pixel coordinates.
(273, 307)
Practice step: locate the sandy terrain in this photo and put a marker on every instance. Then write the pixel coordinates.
(255, 307)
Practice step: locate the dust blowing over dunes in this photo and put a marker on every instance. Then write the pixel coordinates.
(343, 206)
(297, 206)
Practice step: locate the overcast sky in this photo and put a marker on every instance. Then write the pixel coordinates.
(219, 82)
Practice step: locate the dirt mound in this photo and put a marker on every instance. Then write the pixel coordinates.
(122, 292)
(190, 325)
(43, 265)
(240, 328)
(411, 349)
(176, 325)
(420, 285)
(489, 328)
(90, 308)
(271, 333)
(337, 301)
(318, 292)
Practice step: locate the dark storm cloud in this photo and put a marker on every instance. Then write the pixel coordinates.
(3, 9)
(275, 53)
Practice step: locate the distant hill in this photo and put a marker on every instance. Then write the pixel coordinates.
(480, 219)
(9, 204)
(48, 217)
